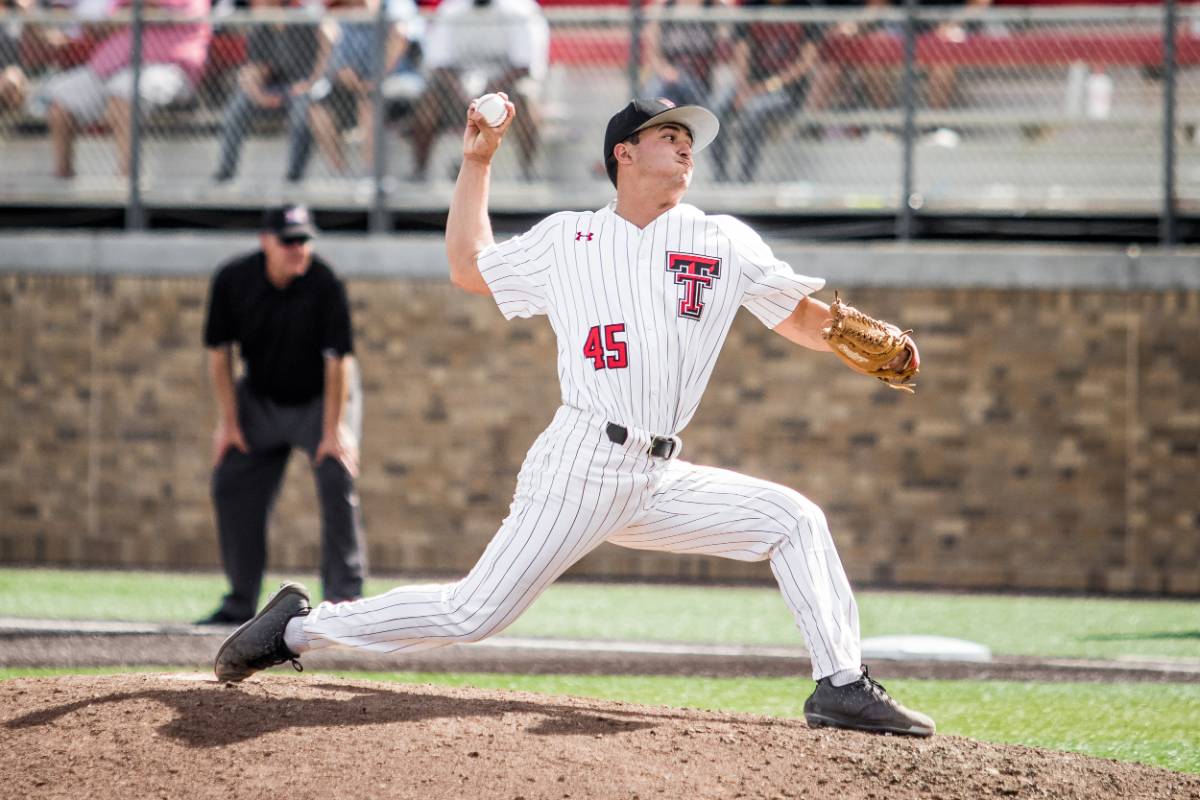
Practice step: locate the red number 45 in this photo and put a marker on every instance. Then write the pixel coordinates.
(610, 351)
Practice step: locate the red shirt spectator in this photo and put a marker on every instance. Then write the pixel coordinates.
(185, 44)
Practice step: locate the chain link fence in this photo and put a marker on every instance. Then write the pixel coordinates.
(1021, 110)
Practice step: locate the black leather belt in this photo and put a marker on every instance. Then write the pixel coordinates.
(660, 446)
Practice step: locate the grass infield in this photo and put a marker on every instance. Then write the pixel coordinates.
(1146, 723)
(1079, 627)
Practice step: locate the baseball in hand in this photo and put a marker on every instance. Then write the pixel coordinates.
(493, 109)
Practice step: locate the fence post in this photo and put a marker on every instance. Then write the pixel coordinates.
(378, 221)
(135, 213)
(1170, 69)
(637, 21)
(908, 93)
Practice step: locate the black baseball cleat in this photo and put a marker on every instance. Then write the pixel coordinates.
(863, 706)
(259, 643)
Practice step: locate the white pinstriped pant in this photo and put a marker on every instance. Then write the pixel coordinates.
(576, 490)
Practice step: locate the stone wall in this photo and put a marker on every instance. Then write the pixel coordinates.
(1053, 443)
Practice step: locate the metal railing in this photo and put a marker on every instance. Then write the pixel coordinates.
(907, 111)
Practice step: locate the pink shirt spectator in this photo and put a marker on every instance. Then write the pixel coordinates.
(185, 45)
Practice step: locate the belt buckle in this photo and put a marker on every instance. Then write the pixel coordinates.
(658, 441)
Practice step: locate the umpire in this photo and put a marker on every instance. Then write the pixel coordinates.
(287, 312)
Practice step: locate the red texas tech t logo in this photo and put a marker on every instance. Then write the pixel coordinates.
(694, 274)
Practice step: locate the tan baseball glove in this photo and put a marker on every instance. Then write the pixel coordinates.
(872, 347)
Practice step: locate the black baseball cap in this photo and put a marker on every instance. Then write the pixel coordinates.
(291, 221)
(648, 112)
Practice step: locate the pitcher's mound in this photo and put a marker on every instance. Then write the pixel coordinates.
(286, 737)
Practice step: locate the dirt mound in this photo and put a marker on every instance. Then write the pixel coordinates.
(284, 737)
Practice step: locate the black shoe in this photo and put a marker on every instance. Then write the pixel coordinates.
(259, 643)
(222, 617)
(863, 706)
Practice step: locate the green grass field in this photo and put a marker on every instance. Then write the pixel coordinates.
(1008, 624)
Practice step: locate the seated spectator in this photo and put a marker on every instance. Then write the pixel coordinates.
(834, 85)
(478, 46)
(48, 45)
(345, 94)
(941, 80)
(283, 62)
(13, 83)
(877, 86)
(771, 61)
(681, 54)
(173, 58)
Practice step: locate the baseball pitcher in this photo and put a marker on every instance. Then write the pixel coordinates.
(641, 295)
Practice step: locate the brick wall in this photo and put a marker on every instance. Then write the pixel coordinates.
(1054, 441)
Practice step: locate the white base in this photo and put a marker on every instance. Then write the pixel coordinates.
(923, 648)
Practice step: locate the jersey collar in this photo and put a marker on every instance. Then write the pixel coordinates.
(681, 210)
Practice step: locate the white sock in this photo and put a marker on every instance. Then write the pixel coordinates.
(294, 636)
(845, 676)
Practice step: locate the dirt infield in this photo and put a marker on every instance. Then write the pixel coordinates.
(281, 736)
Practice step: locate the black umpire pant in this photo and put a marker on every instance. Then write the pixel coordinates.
(246, 485)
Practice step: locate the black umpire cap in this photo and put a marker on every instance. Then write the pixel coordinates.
(648, 112)
(292, 222)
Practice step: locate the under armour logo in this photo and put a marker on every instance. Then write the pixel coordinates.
(580, 236)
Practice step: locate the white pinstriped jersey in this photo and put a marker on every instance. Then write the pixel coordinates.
(640, 314)
(640, 317)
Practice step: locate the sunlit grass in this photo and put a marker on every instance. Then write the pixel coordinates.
(1008, 624)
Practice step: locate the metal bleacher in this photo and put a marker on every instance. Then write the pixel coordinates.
(1015, 140)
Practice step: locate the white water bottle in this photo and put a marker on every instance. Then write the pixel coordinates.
(1099, 95)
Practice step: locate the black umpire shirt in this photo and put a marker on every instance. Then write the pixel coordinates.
(283, 334)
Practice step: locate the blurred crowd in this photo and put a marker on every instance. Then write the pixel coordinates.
(311, 65)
